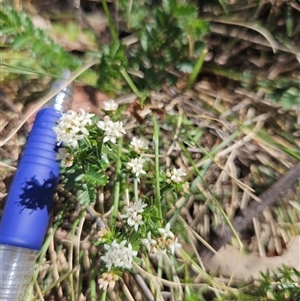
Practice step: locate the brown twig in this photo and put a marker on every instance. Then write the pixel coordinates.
(240, 223)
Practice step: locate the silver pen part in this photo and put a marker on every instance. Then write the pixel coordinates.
(62, 100)
(17, 267)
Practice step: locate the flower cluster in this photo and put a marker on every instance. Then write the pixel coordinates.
(176, 175)
(118, 255)
(167, 241)
(136, 166)
(132, 214)
(71, 127)
(138, 145)
(108, 280)
(112, 130)
(138, 223)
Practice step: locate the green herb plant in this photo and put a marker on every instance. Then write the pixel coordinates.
(167, 41)
(282, 284)
(134, 231)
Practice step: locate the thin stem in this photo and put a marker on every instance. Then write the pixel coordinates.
(103, 297)
(70, 253)
(47, 242)
(110, 22)
(208, 278)
(157, 175)
(197, 69)
(132, 86)
(210, 192)
(93, 293)
(117, 185)
(159, 275)
(130, 82)
(136, 197)
(77, 251)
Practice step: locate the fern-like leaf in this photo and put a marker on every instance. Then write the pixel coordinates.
(22, 36)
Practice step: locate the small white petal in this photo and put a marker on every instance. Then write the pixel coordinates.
(166, 232)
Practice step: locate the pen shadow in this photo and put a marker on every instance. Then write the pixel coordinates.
(38, 195)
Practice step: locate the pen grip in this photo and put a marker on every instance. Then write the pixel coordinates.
(26, 215)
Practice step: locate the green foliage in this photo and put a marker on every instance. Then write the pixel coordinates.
(280, 285)
(33, 50)
(277, 285)
(194, 297)
(113, 58)
(289, 97)
(281, 89)
(88, 186)
(87, 174)
(170, 40)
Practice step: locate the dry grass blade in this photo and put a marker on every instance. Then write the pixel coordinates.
(6, 166)
(252, 38)
(46, 98)
(269, 197)
(63, 277)
(263, 31)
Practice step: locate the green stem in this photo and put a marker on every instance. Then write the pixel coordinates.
(110, 22)
(71, 250)
(132, 86)
(103, 297)
(117, 185)
(157, 174)
(197, 69)
(93, 293)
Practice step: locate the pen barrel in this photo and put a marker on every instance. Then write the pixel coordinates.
(28, 206)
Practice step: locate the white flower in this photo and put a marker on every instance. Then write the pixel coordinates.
(148, 242)
(118, 255)
(112, 130)
(71, 127)
(65, 157)
(135, 220)
(166, 232)
(138, 145)
(132, 216)
(84, 118)
(136, 166)
(110, 105)
(137, 206)
(176, 175)
(158, 253)
(174, 246)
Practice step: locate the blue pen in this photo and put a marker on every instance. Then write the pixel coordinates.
(29, 203)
